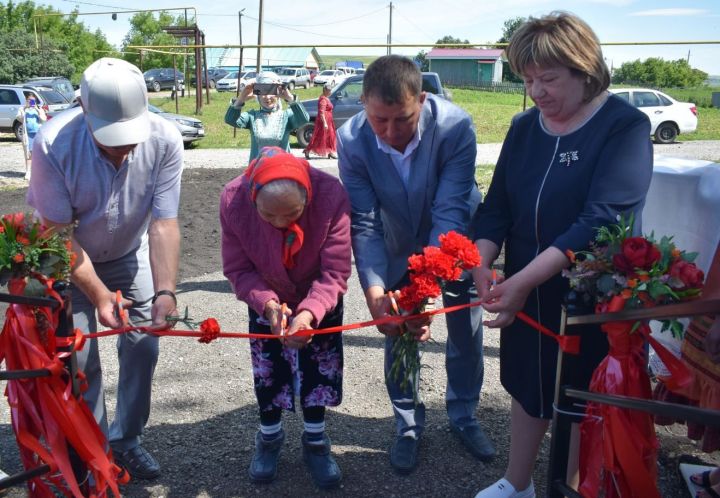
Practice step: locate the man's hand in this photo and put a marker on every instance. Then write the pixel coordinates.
(163, 307)
(108, 310)
(379, 306)
(301, 321)
(420, 327)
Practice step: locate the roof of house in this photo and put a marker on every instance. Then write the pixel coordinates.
(289, 56)
(464, 53)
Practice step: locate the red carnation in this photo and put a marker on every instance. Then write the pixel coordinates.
(636, 253)
(440, 264)
(210, 330)
(689, 274)
(460, 248)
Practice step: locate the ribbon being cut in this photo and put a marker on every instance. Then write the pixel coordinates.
(50, 423)
(621, 272)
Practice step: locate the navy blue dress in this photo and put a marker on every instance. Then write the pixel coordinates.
(550, 190)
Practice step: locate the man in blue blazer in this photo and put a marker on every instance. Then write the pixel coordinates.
(408, 164)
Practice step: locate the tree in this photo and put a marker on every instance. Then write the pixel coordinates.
(49, 29)
(447, 39)
(146, 29)
(509, 28)
(22, 61)
(656, 72)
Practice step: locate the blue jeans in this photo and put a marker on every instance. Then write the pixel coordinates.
(137, 352)
(463, 364)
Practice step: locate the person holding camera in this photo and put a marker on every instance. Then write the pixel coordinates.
(32, 116)
(271, 125)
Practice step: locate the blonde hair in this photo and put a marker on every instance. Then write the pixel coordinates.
(560, 39)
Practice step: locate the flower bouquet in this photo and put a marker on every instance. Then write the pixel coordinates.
(622, 272)
(29, 249)
(428, 272)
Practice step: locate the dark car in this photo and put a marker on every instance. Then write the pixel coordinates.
(215, 74)
(57, 83)
(163, 79)
(345, 98)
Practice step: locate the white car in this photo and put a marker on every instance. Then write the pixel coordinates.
(230, 82)
(668, 117)
(332, 76)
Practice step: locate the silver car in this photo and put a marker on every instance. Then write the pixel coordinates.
(190, 128)
(12, 98)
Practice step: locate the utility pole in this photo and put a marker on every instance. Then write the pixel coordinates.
(258, 64)
(389, 38)
(688, 59)
(240, 62)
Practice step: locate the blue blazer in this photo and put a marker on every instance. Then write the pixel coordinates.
(390, 223)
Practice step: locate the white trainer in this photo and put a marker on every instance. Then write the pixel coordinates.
(503, 489)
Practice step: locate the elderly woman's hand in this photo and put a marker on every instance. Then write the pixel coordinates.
(274, 314)
(301, 321)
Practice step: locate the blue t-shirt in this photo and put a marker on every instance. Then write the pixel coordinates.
(32, 120)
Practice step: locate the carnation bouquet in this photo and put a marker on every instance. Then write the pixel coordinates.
(635, 272)
(29, 249)
(428, 272)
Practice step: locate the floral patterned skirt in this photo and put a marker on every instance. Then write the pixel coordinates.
(314, 373)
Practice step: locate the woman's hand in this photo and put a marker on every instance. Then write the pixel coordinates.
(506, 299)
(301, 321)
(287, 95)
(484, 280)
(247, 93)
(274, 313)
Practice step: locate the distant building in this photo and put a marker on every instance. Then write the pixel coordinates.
(271, 58)
(466, 66)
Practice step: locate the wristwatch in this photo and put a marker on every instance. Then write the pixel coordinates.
(164, 292)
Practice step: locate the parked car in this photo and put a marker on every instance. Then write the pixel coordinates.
(57, 83)
(215, 74)
(230, 82)
(191, 128)
(163, 78)
(668, 117)
(345, 98)
(54, 101)
(12, 98)
(349, 71)
(293, 77)
(332, 76)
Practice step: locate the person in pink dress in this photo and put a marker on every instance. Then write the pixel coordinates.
(323, 141)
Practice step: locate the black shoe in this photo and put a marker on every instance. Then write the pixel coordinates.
(138, 462)
(263, 466)
(320, 463)
(403, 454)
(475, 440)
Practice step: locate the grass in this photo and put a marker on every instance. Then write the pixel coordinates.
(491, 113)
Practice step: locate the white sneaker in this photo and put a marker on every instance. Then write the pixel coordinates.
(503, 489)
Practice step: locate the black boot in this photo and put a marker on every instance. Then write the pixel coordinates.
(320, 463)
(263, 466)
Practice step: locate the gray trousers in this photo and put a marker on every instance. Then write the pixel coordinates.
(137, 353)
(463, 364)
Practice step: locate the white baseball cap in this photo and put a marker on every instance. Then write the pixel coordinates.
(114, 98)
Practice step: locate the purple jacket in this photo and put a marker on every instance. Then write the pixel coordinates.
(252, 249)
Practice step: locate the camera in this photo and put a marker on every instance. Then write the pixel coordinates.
(268, 88)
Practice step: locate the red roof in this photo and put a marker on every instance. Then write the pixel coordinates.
(464, 53)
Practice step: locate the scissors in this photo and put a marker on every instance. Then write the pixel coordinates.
(121, 311)
(393, 302)
(283, 320)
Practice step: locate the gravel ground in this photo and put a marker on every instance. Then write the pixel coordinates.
(204, 415)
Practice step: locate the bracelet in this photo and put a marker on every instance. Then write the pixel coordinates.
(164, 292)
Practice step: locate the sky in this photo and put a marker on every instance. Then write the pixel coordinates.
(422, 22)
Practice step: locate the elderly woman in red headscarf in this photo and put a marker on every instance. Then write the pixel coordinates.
(286, 253)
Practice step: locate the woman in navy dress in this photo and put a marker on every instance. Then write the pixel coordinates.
(568, 166)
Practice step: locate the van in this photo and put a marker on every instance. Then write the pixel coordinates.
(58, 83)
(349, 71)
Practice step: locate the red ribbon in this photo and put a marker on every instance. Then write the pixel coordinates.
(46, 418)
(569, 344)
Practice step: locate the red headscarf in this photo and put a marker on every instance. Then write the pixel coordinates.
(274, 163)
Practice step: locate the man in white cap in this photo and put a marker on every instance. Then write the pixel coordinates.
(113, 168)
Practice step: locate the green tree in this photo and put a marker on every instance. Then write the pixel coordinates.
(657, 72)
(49, 29)
(509, 28)
(450, 39)
(22, 61)
(147, 29)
